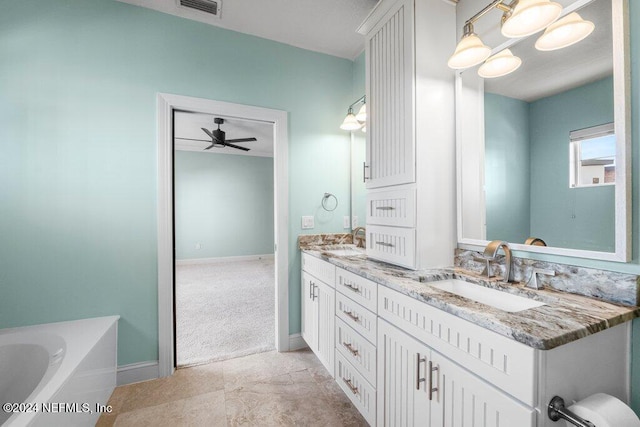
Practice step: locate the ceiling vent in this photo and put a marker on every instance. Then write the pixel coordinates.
(210, 7)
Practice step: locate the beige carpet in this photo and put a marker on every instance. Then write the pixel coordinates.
(224, 310)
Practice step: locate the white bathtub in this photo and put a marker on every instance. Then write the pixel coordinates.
(58, 374)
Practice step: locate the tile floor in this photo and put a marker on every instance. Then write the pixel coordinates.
(265, 389)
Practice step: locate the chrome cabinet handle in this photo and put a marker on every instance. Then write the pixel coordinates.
(311, 285)
(364, 172)
(419, 360)
(385, 208)
(350, 348)
(390, 245)
(355, 289)
(349, 384)
(431, 387)
(314, 292)
(354, 317)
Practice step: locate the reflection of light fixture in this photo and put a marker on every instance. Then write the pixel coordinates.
(470, 51)
(353, 122)
(527, 17)
(565, 32)
(499, 65)
(364, 129)
(520, 18)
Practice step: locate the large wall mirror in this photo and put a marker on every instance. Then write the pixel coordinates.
(544, 152)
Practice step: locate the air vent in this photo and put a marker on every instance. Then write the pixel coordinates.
(212, 7)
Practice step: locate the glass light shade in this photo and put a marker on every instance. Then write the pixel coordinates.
(500, 64)
(364, 129)
(565, 32)
(529, 17)
(362, 114)
(350, 122)
(469, 52)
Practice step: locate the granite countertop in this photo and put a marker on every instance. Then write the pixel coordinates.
(565, 317)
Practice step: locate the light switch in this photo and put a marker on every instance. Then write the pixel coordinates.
(345, 222)
(307, 222)
(354, 221)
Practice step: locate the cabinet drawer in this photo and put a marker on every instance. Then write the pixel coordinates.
(359, 318)
(359, 391)
(503, 362)
(320, 269)
(360, 352)
(392, 244)
(361, 290)
(396, 208)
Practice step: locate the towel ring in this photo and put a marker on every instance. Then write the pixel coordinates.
(326, 197)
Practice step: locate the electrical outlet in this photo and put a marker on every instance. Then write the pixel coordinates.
(307, 222)
(345, 222)
(354, 221)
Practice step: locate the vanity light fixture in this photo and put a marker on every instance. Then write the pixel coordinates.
(520, 18)
(500, 64)
(352, 121)
(564, 32)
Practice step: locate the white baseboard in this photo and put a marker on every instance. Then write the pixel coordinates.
(137, 372)
(296, 342)
(220, 260)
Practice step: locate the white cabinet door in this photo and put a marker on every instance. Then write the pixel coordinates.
(309, 315)
(390, 100)
(325, 300)
(402, 363)
(463, 399)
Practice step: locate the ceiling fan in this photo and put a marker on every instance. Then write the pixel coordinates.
(218, 137)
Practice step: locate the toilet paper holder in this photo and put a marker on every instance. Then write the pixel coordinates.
(556, 410)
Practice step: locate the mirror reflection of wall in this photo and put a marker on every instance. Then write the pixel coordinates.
(527, 169)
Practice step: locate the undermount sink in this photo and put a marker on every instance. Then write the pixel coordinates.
(497, 299)
(345, 251)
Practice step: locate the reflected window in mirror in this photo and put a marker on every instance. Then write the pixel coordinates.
(593, 156)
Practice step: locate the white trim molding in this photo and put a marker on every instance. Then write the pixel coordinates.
(137, 372)
(166, 104)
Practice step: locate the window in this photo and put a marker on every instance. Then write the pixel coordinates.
(593, 156)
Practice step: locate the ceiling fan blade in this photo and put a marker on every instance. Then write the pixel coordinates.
(236, 146)
(212, 145)
(241, 140)
(208, 133)
(191, 139)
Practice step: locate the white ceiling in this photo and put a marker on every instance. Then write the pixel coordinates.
(188, 125)
(327, 26)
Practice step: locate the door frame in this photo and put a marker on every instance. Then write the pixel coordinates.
(166, 104)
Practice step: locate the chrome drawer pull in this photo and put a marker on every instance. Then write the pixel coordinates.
(386, 208)
(419, 360)
(355, 289)
(350, 348)
(364, 172)
(354, 317)
(353, 388)
(311, 285)
(390, 245)
(314, 291)
(431, 387)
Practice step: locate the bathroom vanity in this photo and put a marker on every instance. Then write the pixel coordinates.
(408, 349)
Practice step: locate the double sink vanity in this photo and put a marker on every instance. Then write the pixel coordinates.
(450, 347)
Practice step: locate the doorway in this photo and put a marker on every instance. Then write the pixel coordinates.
(167, 106)
(224, 237)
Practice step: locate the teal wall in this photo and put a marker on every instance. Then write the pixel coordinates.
(507, 168)
(578, 218)
(223, 202)
(78, 185)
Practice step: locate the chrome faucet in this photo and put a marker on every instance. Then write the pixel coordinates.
(359, 239)
(491, 251)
